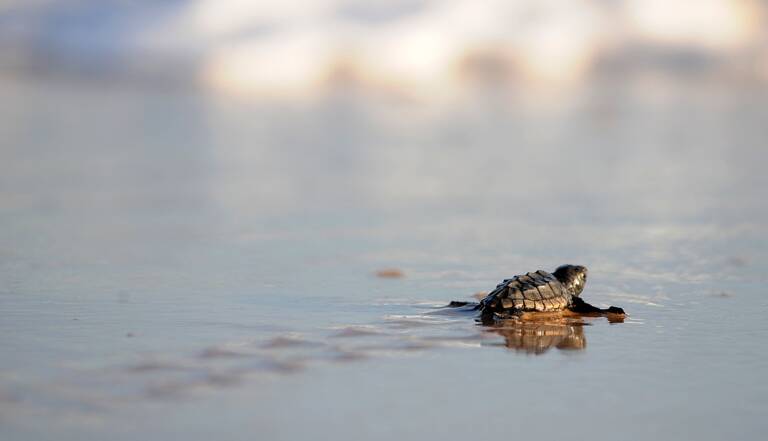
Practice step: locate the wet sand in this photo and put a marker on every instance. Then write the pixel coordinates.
(176, 266)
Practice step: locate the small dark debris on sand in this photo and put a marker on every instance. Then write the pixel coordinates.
(390, 273)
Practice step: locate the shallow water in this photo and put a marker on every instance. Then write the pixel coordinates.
(175, 265)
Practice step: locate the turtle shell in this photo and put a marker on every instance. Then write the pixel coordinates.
(537, 291)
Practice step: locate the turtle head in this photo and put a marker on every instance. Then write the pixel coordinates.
(573, 277)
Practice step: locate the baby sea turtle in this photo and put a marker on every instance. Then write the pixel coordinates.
(540, 291)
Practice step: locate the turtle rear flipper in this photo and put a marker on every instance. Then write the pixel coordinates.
(458, 304)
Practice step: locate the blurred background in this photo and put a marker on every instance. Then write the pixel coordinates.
(406, 49)
(184, 174)
(412, 102)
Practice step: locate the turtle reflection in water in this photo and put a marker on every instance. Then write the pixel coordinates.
(538, 336)
(540, 292)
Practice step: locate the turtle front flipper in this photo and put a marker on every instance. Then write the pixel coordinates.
(579, 306)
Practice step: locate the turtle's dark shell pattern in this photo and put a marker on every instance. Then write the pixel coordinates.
(537, 291)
